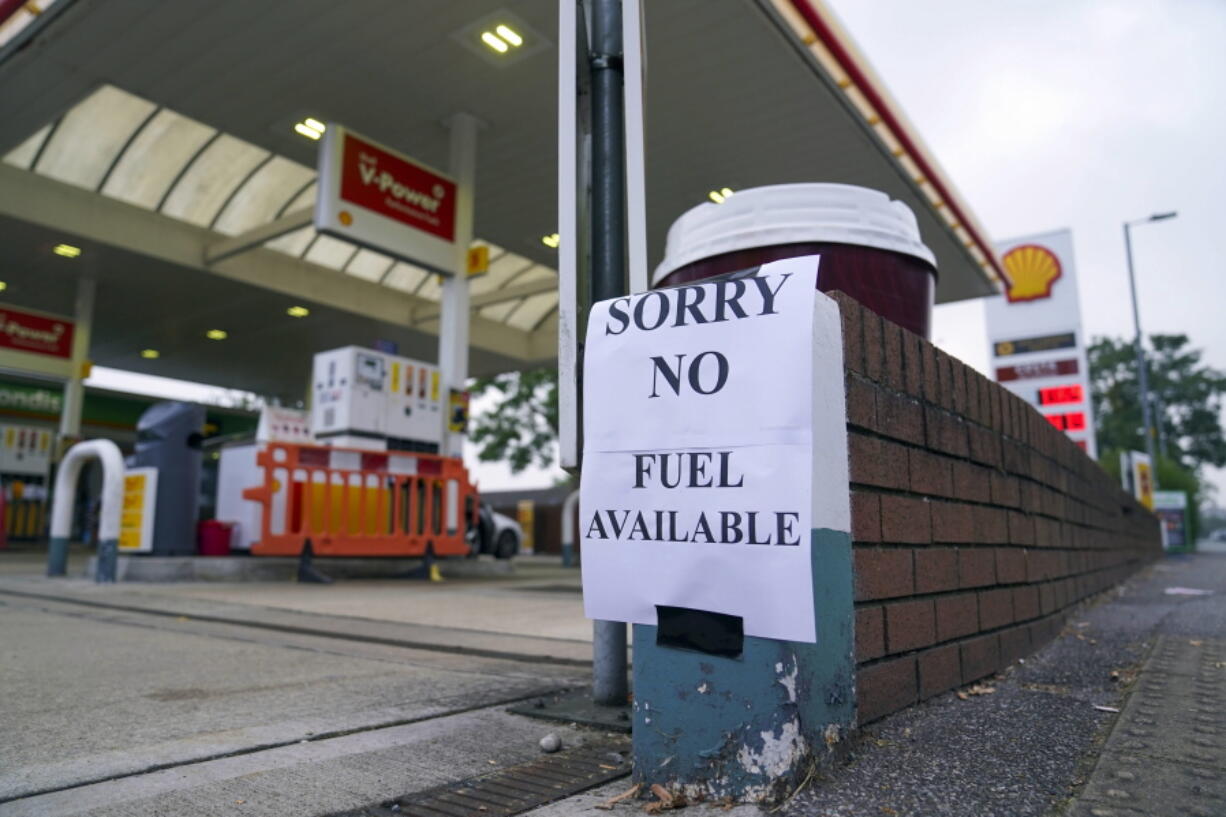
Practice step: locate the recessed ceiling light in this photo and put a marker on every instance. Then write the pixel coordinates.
(3, 286)
(551, 241)
(495, 42)
(297, 312)
(216, 334)
(311, 128)
(500, 37)
(150, 354)
(722, 195)
(510, 35)
(66, 250)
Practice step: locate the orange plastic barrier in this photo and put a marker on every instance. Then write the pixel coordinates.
(350, 502)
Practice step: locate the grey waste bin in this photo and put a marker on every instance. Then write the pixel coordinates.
(168, 437)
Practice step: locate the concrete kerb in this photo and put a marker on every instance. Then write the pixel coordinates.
(266, 569)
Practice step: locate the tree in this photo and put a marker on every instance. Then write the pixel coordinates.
(1186, 397)
(522, 426)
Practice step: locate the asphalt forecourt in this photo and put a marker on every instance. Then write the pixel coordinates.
(121, 710)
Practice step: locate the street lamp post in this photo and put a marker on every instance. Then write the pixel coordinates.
(1142, 368)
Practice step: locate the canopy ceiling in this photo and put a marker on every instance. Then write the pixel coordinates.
(155, 130)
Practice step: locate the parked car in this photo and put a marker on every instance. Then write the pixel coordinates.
(496, 534)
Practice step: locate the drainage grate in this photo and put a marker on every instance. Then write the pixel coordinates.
(515, 789)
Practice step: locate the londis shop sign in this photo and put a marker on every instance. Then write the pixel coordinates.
(383, 200)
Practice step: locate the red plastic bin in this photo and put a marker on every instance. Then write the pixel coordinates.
(213, 537)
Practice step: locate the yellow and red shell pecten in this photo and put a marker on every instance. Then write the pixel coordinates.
(1031, 271)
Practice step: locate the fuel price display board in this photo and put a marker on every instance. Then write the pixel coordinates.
(1035, 337)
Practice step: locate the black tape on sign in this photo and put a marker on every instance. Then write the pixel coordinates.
(712, 633)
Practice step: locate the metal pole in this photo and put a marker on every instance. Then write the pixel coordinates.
(608, 153)
(1142, 369)
(609, 681)
(1159, 415)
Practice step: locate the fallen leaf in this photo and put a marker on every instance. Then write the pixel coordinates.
(982, 689)
(613, 801)
(1196, 643)
(663, 794)
(963, 695)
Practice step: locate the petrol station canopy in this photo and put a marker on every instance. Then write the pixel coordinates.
(160, 138)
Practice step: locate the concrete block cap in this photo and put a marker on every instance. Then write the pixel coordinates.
(792, 214)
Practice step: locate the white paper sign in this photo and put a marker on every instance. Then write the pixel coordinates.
(697, 483)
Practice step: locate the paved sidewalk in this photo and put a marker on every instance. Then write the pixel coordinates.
(1166, 753)
(1034, 745)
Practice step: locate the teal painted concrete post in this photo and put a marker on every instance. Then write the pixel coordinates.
(743, 642)
(752, 727)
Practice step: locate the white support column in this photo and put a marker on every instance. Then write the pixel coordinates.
(569, 323)
(636, 161)
(74, 389)
(453, 327)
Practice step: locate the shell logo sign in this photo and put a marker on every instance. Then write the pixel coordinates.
(1031, 272)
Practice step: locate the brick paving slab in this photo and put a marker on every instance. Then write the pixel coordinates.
(1166, 751)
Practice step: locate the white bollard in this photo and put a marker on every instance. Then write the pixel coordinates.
(62, 502)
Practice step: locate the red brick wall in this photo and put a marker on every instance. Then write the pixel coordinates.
(976, 524)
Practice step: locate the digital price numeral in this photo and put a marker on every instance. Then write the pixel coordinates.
(1072, 421)
(1059, 395)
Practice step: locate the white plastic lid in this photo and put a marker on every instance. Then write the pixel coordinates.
(792, 214)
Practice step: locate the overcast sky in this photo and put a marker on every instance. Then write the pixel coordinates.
(1082, 114)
